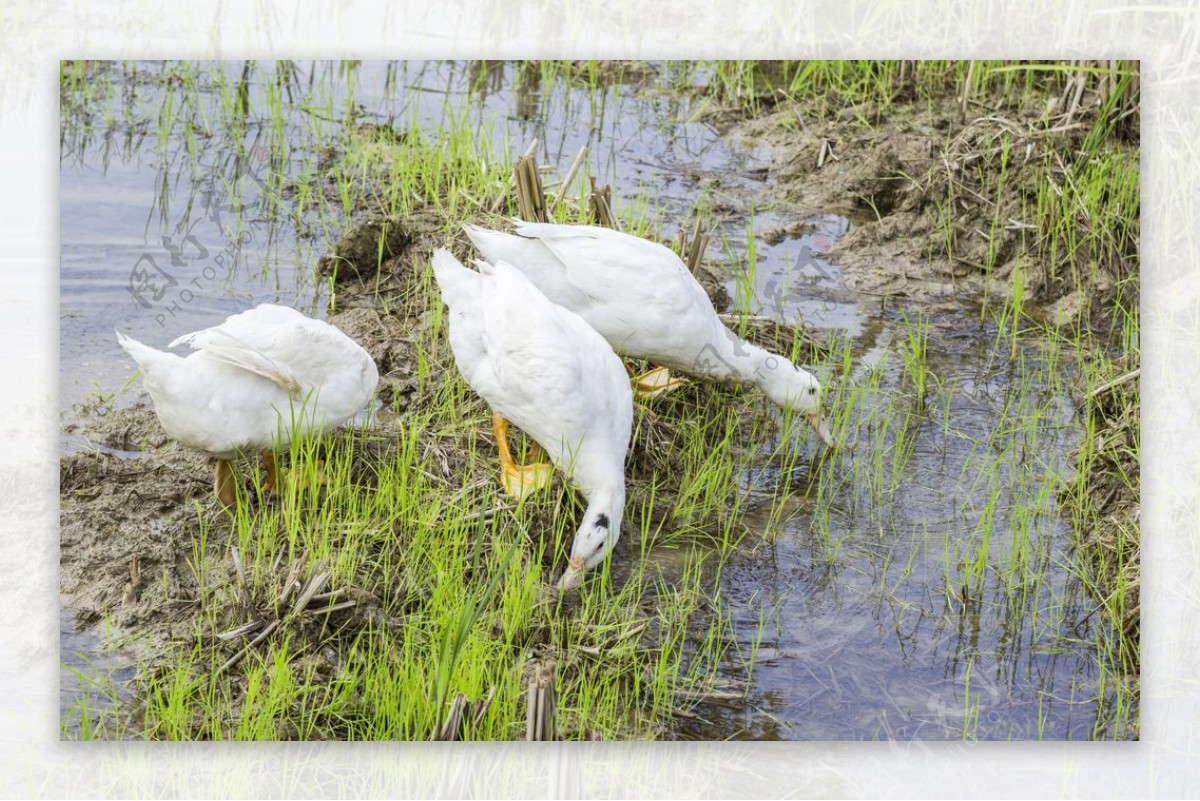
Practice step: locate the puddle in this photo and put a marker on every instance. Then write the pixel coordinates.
(92, 676)
(870, 637)
(791, 279)
(858, 636)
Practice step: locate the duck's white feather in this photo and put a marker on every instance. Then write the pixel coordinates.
(254, 380)
(547, 371)
(636, 293)
(640, 296)
(539, 366)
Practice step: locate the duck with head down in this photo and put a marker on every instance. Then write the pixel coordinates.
(547, 371)
(643, 299)
(253, 383)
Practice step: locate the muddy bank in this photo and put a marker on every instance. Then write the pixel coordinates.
(128, 522)
(946, 204)
(138, 513)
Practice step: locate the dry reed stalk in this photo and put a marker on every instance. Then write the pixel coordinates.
(540, 705)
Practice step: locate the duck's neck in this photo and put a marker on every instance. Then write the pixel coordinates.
(605, 510)
(729, 358)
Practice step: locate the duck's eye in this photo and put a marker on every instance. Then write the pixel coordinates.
(812, 390)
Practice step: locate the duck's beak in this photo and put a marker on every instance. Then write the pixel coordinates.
(821, 428)
(572, 577)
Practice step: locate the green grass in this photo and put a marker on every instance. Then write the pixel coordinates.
(448, 599)
(444, 600)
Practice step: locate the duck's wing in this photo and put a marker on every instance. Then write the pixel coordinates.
(559, 380)
(533, 259)
(612, 266)
(275, 342)
(642, 297)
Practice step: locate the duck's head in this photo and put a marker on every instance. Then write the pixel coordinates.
(796, 390)
(596, 537)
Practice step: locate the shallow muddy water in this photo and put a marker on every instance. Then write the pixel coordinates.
(858, 599)
(870, 634)
(143, 231)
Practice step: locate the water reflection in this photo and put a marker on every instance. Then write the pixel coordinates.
(204, 206)
(173, 218)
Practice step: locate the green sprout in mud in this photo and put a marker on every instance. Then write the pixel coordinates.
(433, 582)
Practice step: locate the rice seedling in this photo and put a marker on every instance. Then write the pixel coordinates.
(423, 588)
(914, 351)
(372, 554)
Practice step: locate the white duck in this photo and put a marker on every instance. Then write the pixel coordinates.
(643, 299)
(545, 369)
(252, 383)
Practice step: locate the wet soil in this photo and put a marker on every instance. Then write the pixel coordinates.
(129, 498)
(128, 522)
(919, 174)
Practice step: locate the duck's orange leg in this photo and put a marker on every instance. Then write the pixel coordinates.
(519, 480)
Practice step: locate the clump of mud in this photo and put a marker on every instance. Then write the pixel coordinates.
(359, 255)
(128, 524)
(932, 215)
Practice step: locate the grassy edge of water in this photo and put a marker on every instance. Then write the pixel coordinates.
(1074, 220)
(353, 187)
(253, 661)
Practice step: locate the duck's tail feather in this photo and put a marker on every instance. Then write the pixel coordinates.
(458, 284)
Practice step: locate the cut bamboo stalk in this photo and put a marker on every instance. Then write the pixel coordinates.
(531, 197)
(291, 583)
(314, 586)
(512, 181)
(233, 660)
(600, 203)
(332, 595)
(1116, 382)
(325, 610)
(452, 725)
(691, 248)
(540, 711)
(237, 567)
(966, 94)
(484, 705)
(241, 631)
(566, 184)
